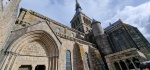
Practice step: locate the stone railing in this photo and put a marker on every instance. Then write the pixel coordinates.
(118, 53)
(73, 38)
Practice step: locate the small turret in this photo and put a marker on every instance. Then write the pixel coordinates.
(97, 28)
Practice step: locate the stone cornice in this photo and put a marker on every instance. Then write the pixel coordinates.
(73, 39)
(118, 53)
(58, 34)
(51, 20)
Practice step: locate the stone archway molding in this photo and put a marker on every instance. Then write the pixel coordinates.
(41, 36)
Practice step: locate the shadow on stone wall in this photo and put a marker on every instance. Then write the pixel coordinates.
(77, 58)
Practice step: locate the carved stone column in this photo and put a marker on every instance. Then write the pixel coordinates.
(133, 63)
(112, 66)
(109, 63)
(49, 64)
(119, 65)
(52, 63)
(56, 62)
(126, 64)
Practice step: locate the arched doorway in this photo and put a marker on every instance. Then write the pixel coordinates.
(33, 48)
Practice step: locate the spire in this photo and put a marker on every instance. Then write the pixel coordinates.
(78, 7)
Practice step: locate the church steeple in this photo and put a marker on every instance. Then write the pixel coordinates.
(80, 21)
(78, 7)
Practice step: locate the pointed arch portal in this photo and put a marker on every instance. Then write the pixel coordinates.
(36, 49)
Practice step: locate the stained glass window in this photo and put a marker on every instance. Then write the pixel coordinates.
(68, 60)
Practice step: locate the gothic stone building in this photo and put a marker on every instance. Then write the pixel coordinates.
(32, 41)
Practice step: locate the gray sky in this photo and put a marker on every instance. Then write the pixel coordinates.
(133, 12)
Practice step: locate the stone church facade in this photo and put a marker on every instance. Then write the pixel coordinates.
(31, 41)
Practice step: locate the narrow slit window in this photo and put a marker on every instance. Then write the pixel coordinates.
(87, 59)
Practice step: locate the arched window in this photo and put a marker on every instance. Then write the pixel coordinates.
(68, 60)
(87, 59)
(58, 30)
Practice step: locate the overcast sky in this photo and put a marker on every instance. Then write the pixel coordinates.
(133, 12)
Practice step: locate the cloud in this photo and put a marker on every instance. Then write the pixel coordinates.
(134, 12)
(61, 11)
(64, 10)
(138, 16)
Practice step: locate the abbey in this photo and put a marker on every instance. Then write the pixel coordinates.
(31, 41)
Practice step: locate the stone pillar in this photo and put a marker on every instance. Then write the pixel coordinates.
(119, 65)
(109, 64)
(49, 64)
(112, 66)
(56, 62)
(53, 63)
(33, 66)
(126, 64)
